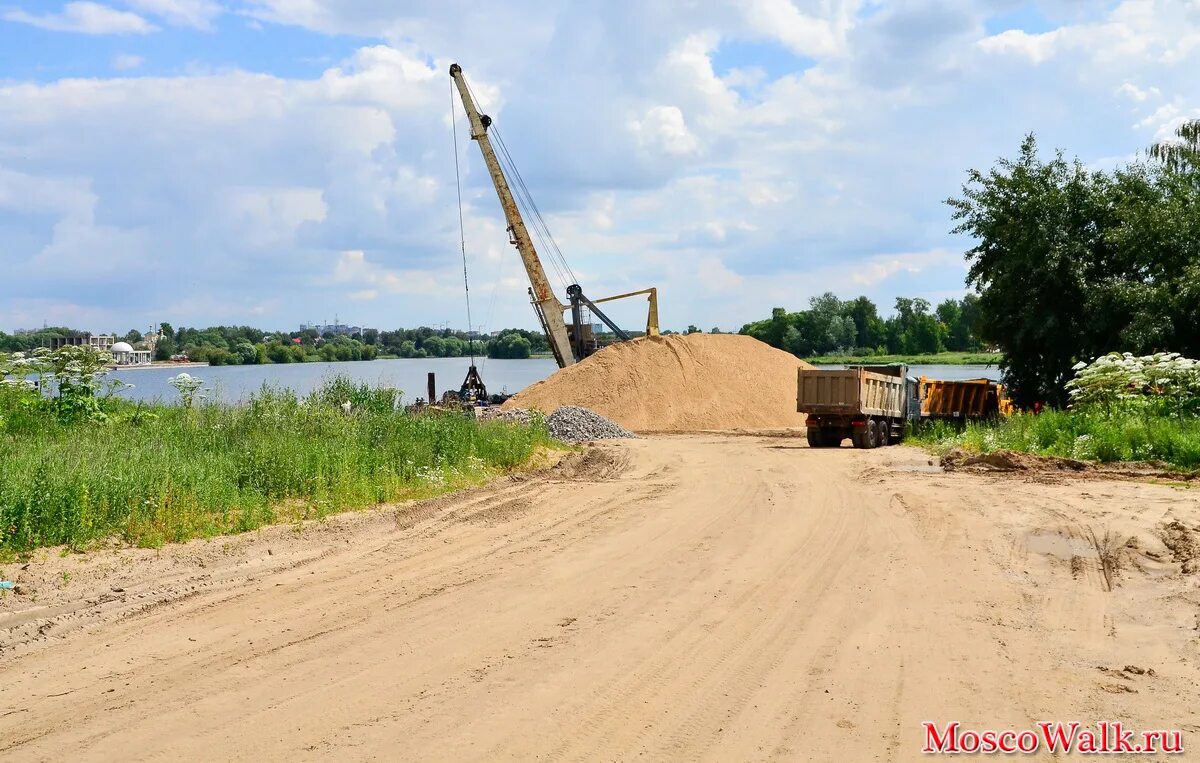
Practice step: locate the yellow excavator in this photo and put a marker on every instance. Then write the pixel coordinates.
(569, 343)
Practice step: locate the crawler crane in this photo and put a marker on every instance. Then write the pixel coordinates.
(569, 343)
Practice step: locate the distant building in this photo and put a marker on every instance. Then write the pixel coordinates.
(338, 329)
(103, 342)
(124, 355)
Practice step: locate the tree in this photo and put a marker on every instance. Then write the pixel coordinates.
(509, 345)
(1071, 264)
(868, 327)
(1033, 226)
(714, 330)
(246, 353)
(692, 330)
(1181, 154)
(435, 346)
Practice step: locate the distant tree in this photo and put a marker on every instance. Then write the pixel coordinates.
(1183, 153)
(692, 330)
(435, 346)
(714, 330)
(868, 326)
(246, 353)
(509, 345)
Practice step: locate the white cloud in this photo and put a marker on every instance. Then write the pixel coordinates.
(809, 35)
(354, 269)
(125, 62)
(663, 129)
(85, 18)
(1035, 47)
(738, 156)
(191, 13)
(881, 267)
(1136, 93)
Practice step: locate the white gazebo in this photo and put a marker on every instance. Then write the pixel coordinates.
(124, 355)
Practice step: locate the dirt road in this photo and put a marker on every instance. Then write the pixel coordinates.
(704, 597)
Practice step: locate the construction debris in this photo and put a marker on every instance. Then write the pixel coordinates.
(512, 415)
(570, 423)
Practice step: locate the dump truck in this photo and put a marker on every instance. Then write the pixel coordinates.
(963, 399)
(870, 405)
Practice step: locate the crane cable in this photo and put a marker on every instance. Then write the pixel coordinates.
(525, 200)
(462, 230)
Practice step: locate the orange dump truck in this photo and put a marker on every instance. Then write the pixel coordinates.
(963, 399)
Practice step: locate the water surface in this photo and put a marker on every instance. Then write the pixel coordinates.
(236, 383)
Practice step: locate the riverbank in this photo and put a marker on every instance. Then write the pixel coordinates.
(938, 359)
(145, 475)
(158, 364)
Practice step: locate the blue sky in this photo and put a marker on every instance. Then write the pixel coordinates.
(273, 162)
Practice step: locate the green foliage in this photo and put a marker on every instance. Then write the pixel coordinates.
(1183, 153)
(1096, 435)
(171, 473)
(1070, 263)
(74, 375)
(510, 345)
(854, 327)
(883, 358)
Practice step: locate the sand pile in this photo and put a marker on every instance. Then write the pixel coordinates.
(678, 383)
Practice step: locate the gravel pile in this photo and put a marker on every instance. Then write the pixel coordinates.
(573, 424)
(514, 415)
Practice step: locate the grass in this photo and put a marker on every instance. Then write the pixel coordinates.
(1085, 435)
(941, 358)
(151, 475)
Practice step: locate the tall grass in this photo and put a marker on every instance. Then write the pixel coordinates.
(1106, 436)
(150, 475)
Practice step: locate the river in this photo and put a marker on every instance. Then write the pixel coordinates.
(237, 383)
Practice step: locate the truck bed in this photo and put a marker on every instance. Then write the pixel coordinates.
(849, 391)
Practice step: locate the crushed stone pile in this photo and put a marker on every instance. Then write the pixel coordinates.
(570, 423)
(513, 415)
(678, 383)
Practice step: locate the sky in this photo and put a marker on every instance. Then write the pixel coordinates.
(274, 162)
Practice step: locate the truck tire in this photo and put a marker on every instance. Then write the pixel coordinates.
(885, 433)
(870, 435)
(815, 438)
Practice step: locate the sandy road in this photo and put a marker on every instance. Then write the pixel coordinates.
(707, 597)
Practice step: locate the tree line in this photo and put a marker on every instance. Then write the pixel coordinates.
(247, 345)
(1072, 263)
(854, 327)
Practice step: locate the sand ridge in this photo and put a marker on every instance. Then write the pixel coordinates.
(678, 383)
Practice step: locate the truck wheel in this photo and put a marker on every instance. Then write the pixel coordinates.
(885, 433)
(815, 440)
(871, 435)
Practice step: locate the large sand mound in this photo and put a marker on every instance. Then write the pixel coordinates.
(678, 383)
